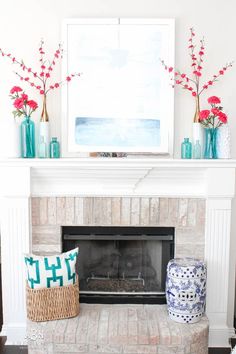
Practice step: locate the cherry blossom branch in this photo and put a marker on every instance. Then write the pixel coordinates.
(215, 77)
(58, 54)
(193, 56)
(32, 84)
(21, 64)
(44, 74)
(42, 53)
(177, 73)
(183, 80)
(59, 84)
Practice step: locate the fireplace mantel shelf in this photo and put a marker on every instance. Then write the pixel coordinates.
(118, 163)
(119, 177)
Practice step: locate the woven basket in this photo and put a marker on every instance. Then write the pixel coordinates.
(49, 304)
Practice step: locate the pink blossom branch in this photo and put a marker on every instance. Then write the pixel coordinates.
(177, 73)
(59, 84)
(215, 77)
(21, 64)
(42, 53)
(32, 84)
(192, 54)
(182, 79)
(192, 46)
(58, 54)
(44, 75)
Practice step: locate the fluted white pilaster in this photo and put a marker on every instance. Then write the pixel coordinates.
(15, 241)
(217, 248)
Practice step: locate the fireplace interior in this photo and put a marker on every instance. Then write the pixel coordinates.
(121, 264)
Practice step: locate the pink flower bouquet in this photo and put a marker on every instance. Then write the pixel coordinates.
(213, 117)
(22, 104)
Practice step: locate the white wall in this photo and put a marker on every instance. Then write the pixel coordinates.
(23, 23)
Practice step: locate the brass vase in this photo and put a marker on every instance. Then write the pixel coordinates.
(197, 111)
(197, 130)
(44, 114)
(44, 127)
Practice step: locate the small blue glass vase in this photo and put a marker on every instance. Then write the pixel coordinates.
(210, 143)
(186, 149)
(54, 149)
(27, 132)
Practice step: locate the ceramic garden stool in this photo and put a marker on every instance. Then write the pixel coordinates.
(186, 289)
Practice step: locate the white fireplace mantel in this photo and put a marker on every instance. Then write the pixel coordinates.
(115, 176)
(21, 179)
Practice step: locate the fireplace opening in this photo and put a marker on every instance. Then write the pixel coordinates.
(121, 264)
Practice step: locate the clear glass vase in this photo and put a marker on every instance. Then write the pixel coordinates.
(27, 131)
(210, 143)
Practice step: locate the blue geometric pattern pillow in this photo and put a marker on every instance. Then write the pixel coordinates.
(51, 271)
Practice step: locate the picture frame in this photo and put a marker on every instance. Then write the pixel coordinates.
(122, 102)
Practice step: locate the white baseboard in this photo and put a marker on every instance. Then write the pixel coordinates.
(219, 336)
(15, 333)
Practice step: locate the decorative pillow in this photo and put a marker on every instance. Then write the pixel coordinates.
(51, 271)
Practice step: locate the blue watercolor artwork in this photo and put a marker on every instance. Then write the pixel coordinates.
(117, 132)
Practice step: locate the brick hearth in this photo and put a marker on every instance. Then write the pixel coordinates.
(129, 329)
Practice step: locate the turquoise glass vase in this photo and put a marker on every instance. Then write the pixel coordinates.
(186, 149)
(210, 143)
(54, 149)
(27, 131)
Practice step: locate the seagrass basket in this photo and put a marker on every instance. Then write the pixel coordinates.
(49, 304)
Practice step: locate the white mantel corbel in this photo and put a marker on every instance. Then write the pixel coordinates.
(21, 179)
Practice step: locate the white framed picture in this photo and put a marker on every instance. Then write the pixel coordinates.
(122, 102)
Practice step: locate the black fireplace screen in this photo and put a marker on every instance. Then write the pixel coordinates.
(125, 263)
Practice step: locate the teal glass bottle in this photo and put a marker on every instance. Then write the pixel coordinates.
(54, 149)
(186, 149)
(27, 132)
(197, 150)
(210, 143)
(42, 148)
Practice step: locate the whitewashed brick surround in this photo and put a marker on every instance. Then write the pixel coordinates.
(187, 215)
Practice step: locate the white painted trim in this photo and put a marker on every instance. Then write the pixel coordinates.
(217, 252)
(15, 241)
(219, 337)
(16, 333)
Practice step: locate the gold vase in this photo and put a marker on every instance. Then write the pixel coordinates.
(44, 114)
(197, 111)
(44, 127)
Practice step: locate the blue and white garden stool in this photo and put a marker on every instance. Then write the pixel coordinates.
(186, 289)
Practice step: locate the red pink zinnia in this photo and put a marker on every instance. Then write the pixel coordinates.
(214, 117)
(22, 105)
